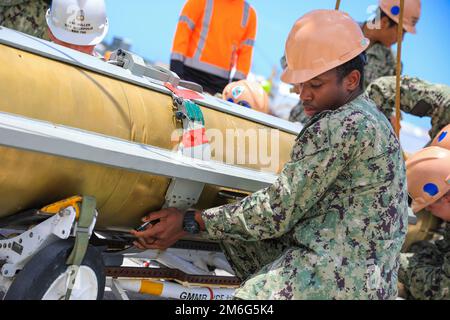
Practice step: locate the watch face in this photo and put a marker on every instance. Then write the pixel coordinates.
(189, 224)
(191, 228)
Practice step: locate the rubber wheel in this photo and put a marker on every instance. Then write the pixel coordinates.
(38, 275)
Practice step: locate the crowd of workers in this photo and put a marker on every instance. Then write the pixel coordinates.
(333, 224)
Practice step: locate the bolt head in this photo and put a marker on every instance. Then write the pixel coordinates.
(180, 115)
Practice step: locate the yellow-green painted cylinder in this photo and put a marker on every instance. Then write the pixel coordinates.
(45, 89)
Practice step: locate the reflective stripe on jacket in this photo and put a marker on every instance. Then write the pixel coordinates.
(216, 35)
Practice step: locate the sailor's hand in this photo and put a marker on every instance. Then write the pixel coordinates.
(163, 234)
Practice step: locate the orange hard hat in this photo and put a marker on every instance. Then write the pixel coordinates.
(410, 16)
(247, 93)
(320, 41)
(443, 138)
(428, 176)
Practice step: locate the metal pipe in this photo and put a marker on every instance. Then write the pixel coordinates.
(175, 291)
(399, 69)
(338, 3)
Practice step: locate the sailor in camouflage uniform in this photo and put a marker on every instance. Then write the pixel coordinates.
(382, 33)
(417, 97)
(425, 269)
(27, 16)
(380, 62)
(333, 223)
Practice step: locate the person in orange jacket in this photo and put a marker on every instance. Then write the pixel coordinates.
(213, 37)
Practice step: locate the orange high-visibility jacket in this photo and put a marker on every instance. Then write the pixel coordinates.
(216, 35)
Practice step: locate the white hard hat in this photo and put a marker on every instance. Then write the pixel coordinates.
(79, 22)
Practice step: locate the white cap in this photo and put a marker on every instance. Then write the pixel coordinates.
(79, 22)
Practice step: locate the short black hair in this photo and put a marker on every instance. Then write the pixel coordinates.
(356, 63)
(392, 23)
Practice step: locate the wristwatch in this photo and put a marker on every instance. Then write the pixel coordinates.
(189, 224)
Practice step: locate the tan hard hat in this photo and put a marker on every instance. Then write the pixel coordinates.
(428, 176)
(320, 41)
(247, 93)
(443, 138)
(410, 17)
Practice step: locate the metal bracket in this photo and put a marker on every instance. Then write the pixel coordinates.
(18, 250)
(137, 66)
(183, 194)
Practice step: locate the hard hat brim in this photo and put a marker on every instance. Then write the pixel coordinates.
(73, 38)
(416, 206)
(419, 206)
(409, 28)
(302, 76)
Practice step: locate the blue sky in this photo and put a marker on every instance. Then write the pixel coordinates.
(150, 24)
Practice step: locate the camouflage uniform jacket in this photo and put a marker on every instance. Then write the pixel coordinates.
(418, 97)
(425, 270)
(298, 114)
(27, 16)
(343, 197)
(380, 63)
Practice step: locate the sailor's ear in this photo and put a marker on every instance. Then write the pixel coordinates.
(385, 23)
(352, 80)
(447, 197)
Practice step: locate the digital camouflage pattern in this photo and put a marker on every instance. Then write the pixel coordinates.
(333, 224)
(380, 63)
(418, 97)
(298, 114)
(27, 16)
(425, 270)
